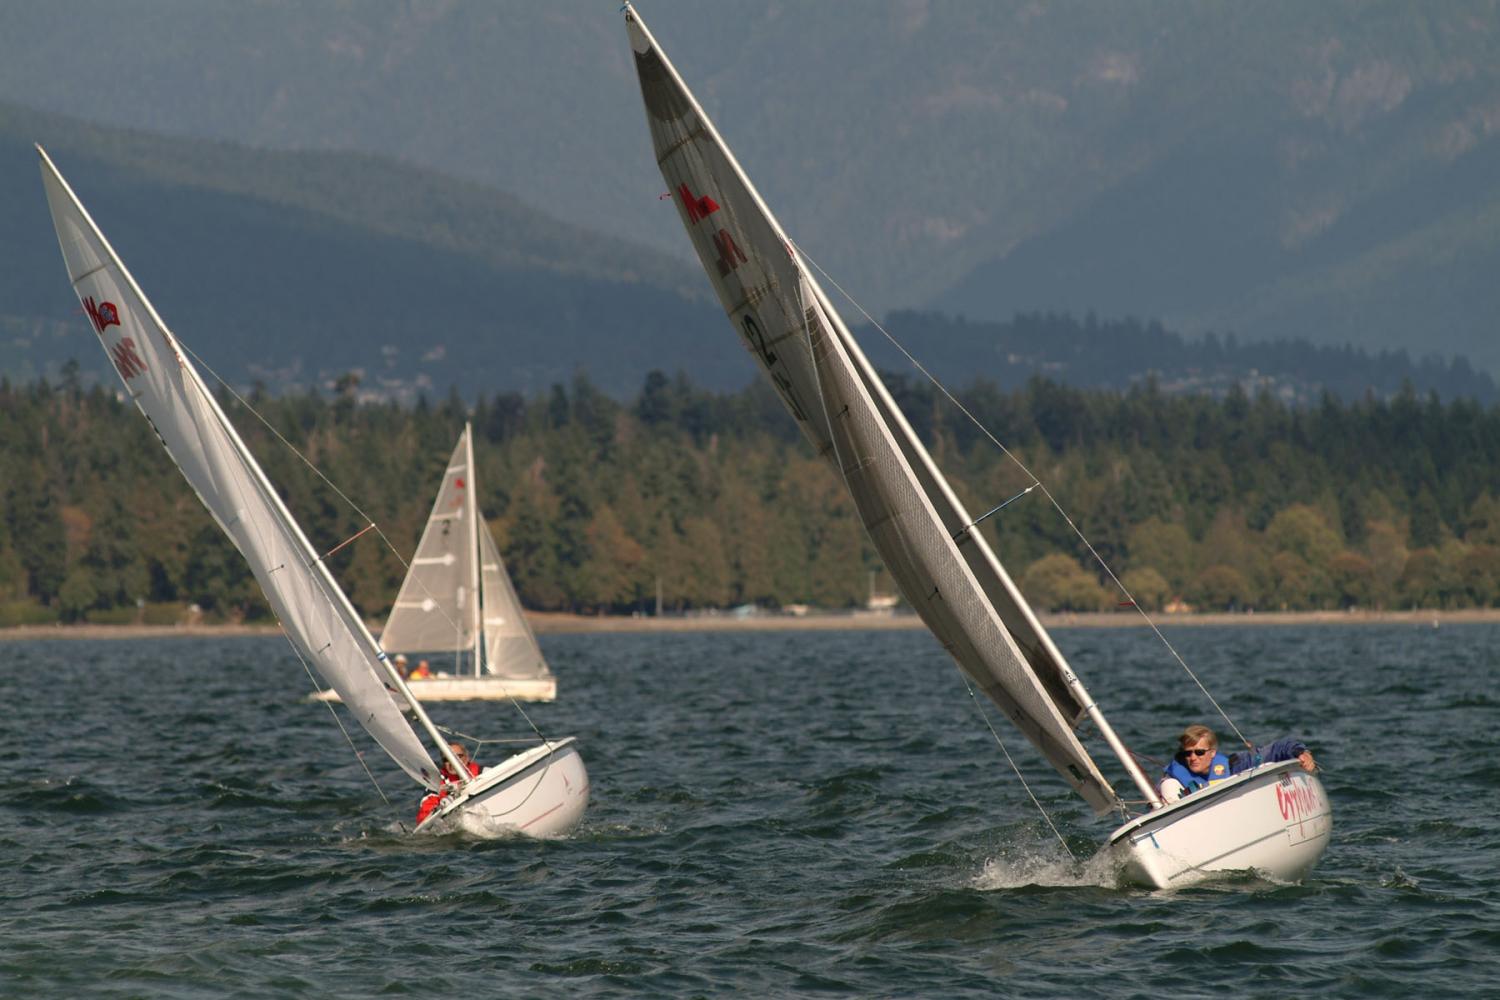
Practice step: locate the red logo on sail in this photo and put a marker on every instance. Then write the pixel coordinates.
(698, 207)
(127, 362)
(730, 255)
(101, 315)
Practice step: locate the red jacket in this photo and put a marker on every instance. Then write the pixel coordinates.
(448, 775)
(432, 800)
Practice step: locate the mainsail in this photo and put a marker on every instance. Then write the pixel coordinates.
(944, 568)
(314, 612)
(436, 607)
(433, 609)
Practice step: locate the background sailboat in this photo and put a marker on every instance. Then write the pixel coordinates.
(944, 568)
(542, 791)
(458, 598)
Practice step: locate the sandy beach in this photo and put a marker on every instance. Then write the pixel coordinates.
(550, 623)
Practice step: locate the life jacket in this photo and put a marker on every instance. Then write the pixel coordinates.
(1218, 770)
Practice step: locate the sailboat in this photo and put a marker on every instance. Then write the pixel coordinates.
(1274, 818)
(457, 597)
(541, 791)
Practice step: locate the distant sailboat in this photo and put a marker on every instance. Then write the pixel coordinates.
(436, 609)
(1274, 818)
(541, 792)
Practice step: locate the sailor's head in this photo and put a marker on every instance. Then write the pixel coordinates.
(401, 659)
(459, 752)
(1198, 746)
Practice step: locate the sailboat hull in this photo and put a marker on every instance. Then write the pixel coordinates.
(1275, 820)
(473, 689)
(541, 793)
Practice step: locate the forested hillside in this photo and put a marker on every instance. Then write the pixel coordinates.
(1220, 503)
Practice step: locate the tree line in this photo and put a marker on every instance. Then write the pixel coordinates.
(714, 500)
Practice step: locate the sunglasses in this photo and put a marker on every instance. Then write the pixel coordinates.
(1197, 752)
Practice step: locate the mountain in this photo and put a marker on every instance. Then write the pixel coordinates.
(1272, 170)
(296, 268)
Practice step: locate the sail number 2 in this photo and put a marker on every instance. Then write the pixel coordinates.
(755, 337)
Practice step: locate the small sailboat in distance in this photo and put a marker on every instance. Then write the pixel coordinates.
(1274, 818)
(541, 791)
(457, 597)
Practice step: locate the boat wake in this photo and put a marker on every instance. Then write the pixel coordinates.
(1043, 865)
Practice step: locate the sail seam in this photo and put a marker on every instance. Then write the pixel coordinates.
(692, 136)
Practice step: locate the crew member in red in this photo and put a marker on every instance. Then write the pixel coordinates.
(463, 758)
(432, 800)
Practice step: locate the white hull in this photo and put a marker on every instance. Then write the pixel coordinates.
(472, 689)
(1276, 820)
(541, 793)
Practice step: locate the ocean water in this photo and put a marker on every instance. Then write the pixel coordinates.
(773, 814)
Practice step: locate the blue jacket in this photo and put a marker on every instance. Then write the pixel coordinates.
(1287, 749)
(1222, 767)
(1218, 769)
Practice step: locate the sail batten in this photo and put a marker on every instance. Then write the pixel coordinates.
(313, 610)
(909, 510)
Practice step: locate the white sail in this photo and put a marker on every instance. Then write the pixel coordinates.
(433, 610)
(313, 610)
(510, 646)
(927, 566)
(759, 280)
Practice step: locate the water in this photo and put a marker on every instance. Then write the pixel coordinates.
(773, 814)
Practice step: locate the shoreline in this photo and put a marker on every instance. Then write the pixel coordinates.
(555, 623)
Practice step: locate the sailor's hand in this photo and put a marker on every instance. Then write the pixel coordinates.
(1305, 758)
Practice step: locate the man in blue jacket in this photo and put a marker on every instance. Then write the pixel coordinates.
(1198, 763)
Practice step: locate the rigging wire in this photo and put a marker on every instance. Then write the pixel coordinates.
(370, 523)
(1014, 767)
(358, 754)
(1036, 484)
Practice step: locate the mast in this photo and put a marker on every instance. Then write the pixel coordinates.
(314, 560)
(472, 502)
(935, 476)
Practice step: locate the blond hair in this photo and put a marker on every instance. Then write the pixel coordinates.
(1192, 734)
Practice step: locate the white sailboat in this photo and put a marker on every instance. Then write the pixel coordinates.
(541, 792)
(1275, 819)
(458, 598)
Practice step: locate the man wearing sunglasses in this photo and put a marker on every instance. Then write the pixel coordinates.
(1198, 763)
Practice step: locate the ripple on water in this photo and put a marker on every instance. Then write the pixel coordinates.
(740, 840)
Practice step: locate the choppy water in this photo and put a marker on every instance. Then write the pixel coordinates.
(773, 814)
